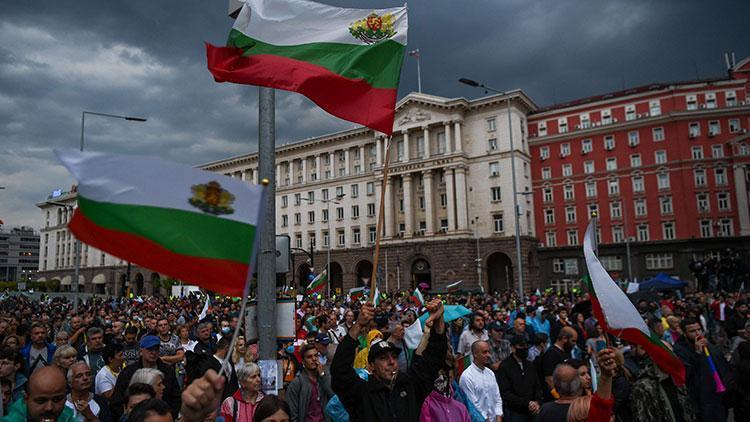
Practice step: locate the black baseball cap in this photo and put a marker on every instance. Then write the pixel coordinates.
(380, 347)
(520, 340)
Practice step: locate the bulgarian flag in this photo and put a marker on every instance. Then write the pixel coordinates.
(453, 287)
(190, 224)
(348, 61)
(417, 297)
(356, 293)
(319, 283)
(619, 317)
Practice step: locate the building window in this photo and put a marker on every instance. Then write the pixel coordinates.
(558, 265)
(659, 261)
(725, 227)
(297, 219)
(400, 150)
(443, 200)
(734, 125)
(325, 216)
(371, 210)
(586, 146)
(355, 191)
(717, 151)
(588, 167)
(590, 189)
(699, 175)
(284, 201)
(571, 265)
(549, 216)
(640, 208)
(615, 209)
(657, 134)
(339, 213)
(613, 187)
(720, 175)
(633, 138)
(401, 205)
(492, 144)
(495, 193)
(494, 169)
(635, 160)
(606, 116)
(662, 180)
(617, 234)
(710, 100)
(714, 128)
(694, 130)
(630, 112)
(355, 211)
(371, 188)
(572, 237)
(324, 193)
(567, 170)
(551, 238)
(562, 124)
(356, 236)
(547, 195)
(722, 198)
(585, 121)
(311, 216)
(298, 240)
(609, 142)
(421, 202)
(667, 230)
(444, 225)
(643, 232)
(660, 156)
(326, 239)
(665, 203)
(564, 149)
(731, 98)
(697, 152)
(284, 220)
(611, 164)
(420, 146)
(570, 214)
(546, 173)
(692, 102)
(611, 262)
(441, 143)
(497, 221)
(544, 153)
(542, 128)
(339, 191)
(706, 228)
(654, 108)
(638, 186)
(341, 234)
(491, 125)
(703, 203)
(371, 233)
(568, 192)
(297, 199)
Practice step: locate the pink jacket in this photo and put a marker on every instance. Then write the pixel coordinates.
(438, 408)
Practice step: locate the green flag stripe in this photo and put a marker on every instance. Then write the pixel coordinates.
(182, 232)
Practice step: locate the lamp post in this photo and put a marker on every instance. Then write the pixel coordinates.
(513, 171)
(77, 245)
(328, 252)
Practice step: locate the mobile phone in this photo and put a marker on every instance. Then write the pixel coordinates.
(600, 345)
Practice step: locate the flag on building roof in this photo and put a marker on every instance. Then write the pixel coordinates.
(348, 61)
(617, 315)
(356, 293)
(453, 287)
(319, 283)
(417, 298)
(193, 225)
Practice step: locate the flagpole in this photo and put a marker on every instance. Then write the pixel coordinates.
(415, 53)
(378, 226)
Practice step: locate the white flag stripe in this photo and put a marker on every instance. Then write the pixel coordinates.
(204, 312)
(294, 22)
(413, 334)
(138, 180)
(616, 306)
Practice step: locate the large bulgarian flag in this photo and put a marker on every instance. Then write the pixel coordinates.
(190, 224)
(348, 61)
(319, 283)
(617, 315)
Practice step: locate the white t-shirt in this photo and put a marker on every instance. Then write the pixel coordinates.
(95, 409)
(105, 380)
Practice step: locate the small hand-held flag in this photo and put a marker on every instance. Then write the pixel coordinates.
(417, 298)
(720, 388)
(193, 225)
(617, 315)
(204, 312)
(319, 283)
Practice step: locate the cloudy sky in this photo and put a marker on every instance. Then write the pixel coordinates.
(146, 58)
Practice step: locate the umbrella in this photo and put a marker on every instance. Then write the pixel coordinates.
(451, 312)
(662, 282)
(424, 286)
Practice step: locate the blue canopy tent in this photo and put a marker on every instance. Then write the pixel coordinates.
(662, 282)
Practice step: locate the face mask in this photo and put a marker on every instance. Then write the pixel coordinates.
(522, 353)
(225, 330)
(441, 385)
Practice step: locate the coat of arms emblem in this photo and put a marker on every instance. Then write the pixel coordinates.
(373, 28)
(212, 198)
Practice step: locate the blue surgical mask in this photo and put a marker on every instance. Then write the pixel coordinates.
(225, 330)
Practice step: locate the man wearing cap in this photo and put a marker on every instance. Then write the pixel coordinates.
(520, 386)
(150, 345)
(388, 394)
(325, 350)
(499, 347)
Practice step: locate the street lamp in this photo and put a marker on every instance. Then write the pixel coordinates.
(475, 84)
(77, 245)
(328, 253)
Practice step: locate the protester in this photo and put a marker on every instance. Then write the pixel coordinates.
(479, 383)
(91, 353)
(152, 377)
(44, 399)
(241, 405)
(500, 348)
(475, 333)
(309, 393)
(85, 404)
(520, 388)
(558, 353)
(11, 369)
(38, 352)
(106, 378)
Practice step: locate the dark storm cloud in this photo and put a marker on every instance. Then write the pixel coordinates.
(147, 58)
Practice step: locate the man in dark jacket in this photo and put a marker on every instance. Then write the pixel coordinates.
(388, 394)
(520, 386)
(38, 352)
(149, 359)
(700, 382)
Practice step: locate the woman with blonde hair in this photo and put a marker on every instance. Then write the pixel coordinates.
(64, 357)
(241, 406)
(152, 377)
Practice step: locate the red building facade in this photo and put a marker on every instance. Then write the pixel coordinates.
(665, 166)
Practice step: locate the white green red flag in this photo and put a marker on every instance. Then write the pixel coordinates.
(319, 283)
(356, 293)
(348, 61)
(417, 298)
(453, 287)
(190, 224)
(617, 315)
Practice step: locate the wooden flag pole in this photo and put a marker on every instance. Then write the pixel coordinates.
(378, 229)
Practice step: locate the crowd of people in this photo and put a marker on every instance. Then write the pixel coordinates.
(457, 357)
